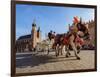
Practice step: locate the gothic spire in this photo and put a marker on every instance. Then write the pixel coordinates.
(34, 24)
(38, 29)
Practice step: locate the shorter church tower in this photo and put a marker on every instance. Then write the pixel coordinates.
(38, 35)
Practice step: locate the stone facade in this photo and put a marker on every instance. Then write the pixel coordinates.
(91, 25)
(29, 42)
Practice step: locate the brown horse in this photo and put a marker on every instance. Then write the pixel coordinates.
(61, 40)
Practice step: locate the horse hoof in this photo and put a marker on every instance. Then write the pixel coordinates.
(66, 55)
(78, 52)
(56, 55)
(78, 58)
(69, 53)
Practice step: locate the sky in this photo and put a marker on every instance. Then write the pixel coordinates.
(48, 18)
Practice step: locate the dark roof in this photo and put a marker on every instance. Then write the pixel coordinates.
(38, 29)
(24, 37)
(33, 25)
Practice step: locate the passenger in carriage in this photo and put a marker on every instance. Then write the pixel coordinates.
(50, 34)
(54, 34)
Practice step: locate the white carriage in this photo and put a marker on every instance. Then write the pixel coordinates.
(45, 46)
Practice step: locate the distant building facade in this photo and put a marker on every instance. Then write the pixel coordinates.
(29, 42)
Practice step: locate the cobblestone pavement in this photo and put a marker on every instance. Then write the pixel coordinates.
(41, 62)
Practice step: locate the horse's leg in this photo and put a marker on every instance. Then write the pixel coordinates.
(73, 46)
(75, 50)
(67, 51)
(61, 49)
(78, 48)
(48, 51)
(56, 50)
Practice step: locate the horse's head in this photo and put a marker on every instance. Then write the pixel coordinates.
(51, 36)
(84, 28)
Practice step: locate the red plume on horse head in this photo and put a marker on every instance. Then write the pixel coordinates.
(76, 19)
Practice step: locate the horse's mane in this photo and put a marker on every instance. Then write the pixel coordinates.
(60, 35)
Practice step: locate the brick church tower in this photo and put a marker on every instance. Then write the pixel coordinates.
(33, 35)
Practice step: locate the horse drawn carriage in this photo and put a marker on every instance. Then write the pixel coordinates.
(72, 38)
